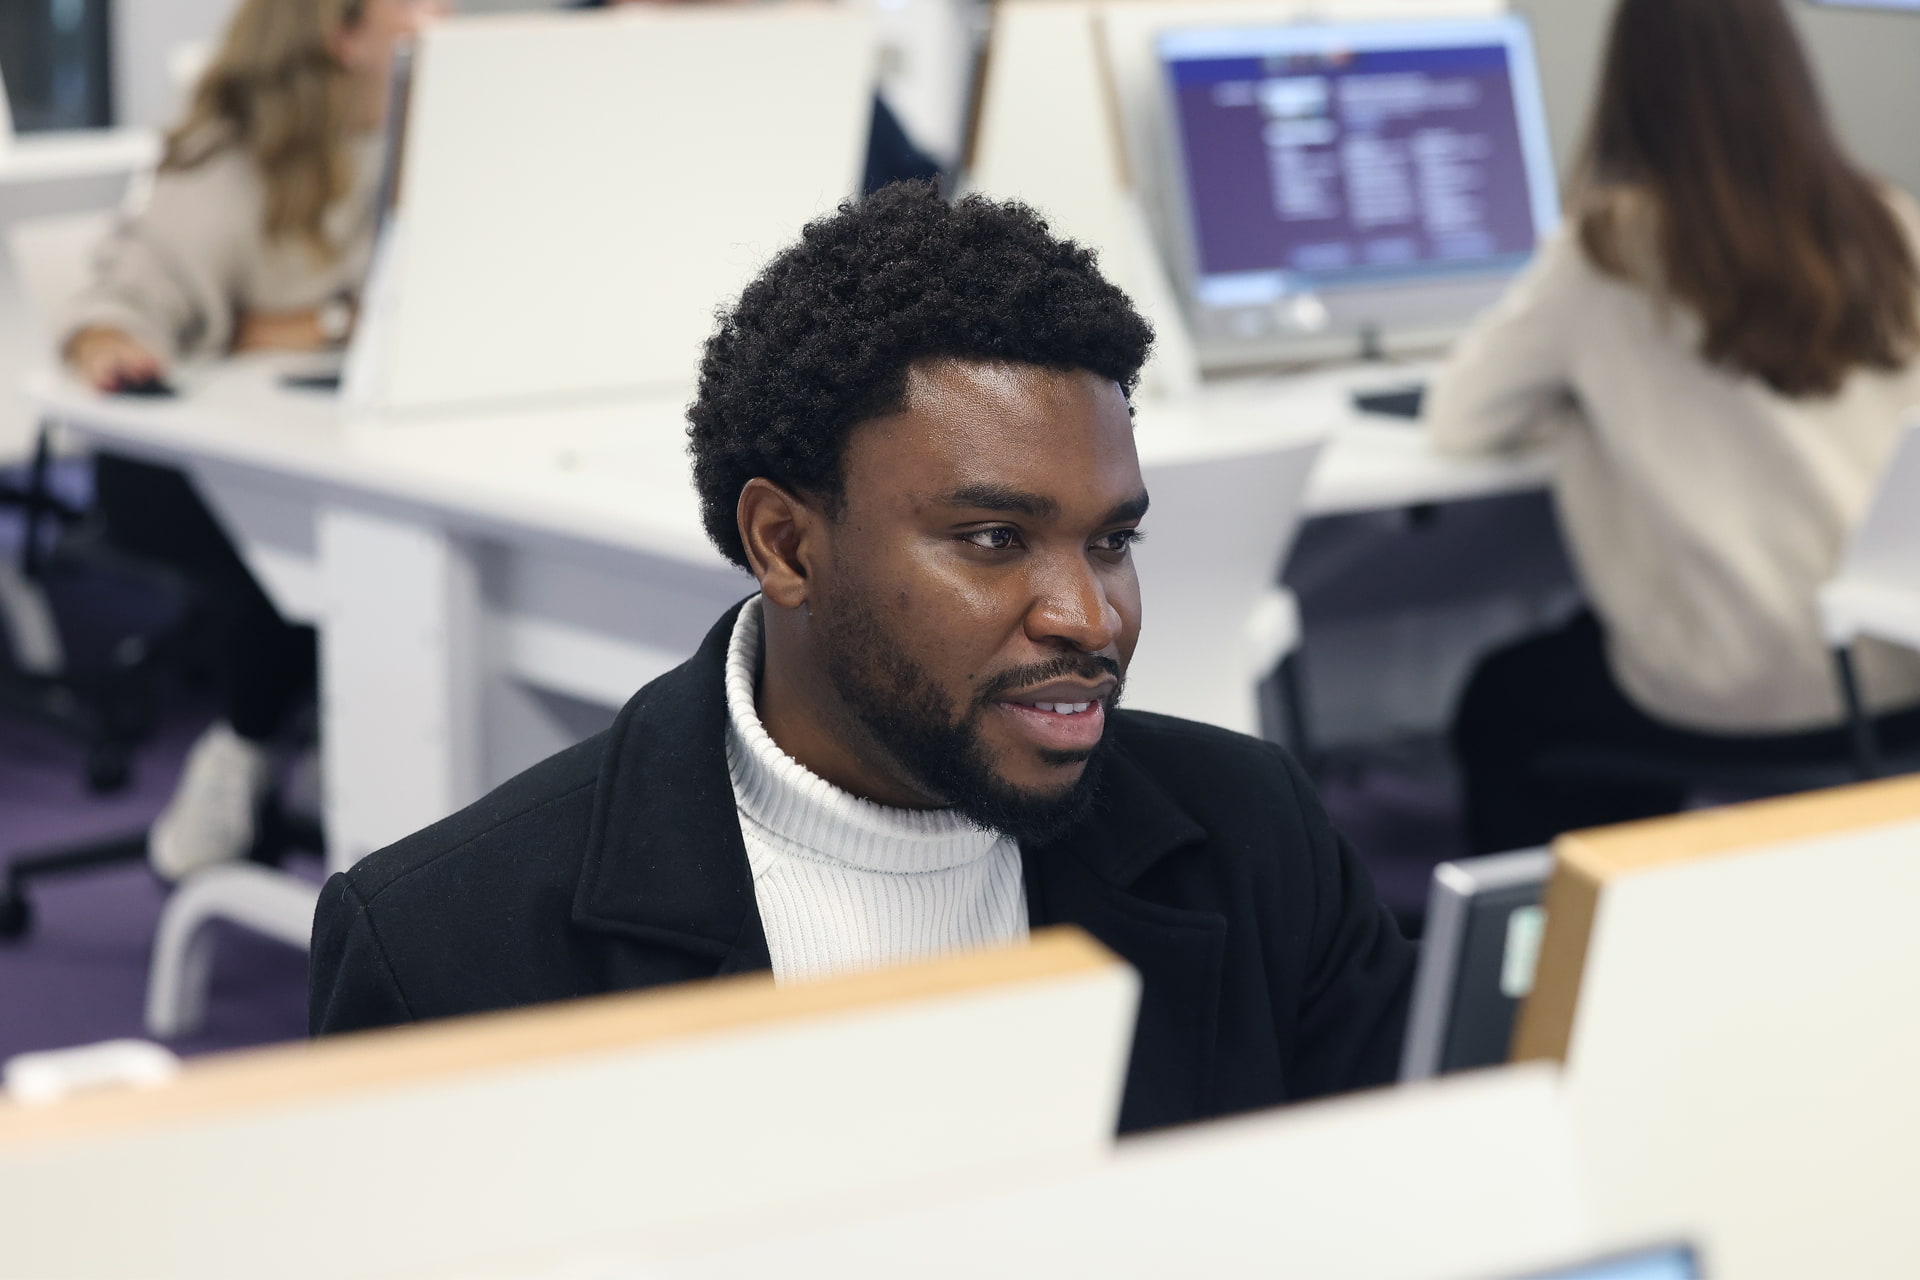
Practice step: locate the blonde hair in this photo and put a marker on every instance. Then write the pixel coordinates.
(275, 89)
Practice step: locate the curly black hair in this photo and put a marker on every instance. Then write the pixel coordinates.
(823, 339)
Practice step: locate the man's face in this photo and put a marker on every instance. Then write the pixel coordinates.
(980, 605)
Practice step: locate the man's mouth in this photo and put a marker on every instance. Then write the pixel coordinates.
(1063, 716)
(1057, 708)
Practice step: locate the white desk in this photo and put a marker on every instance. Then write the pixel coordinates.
(79, 153)
(1371, 463)
(465, 568)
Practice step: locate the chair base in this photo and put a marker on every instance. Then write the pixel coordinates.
(259, 898)
(16, 909)
(280, 833)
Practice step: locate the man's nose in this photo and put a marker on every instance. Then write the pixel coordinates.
(1070, 608)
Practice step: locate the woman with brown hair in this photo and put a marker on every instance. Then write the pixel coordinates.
(1720, 348)
(256, 235)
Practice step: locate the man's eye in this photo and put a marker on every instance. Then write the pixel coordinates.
(992, 539)
(1119, 540)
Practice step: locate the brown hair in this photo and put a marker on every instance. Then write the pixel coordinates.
(276, 89)
(1709, 123)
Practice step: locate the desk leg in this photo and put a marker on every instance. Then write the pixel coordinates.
(400, 678)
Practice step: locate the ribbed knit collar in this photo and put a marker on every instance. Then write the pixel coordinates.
(807, 816)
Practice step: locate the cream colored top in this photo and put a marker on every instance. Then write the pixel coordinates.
(177, 272)
(1703, 510)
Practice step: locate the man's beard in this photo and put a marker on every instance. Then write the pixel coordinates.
(900, 706)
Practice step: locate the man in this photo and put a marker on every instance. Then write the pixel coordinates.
(914, 431)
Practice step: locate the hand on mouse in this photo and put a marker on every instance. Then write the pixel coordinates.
(111, 358)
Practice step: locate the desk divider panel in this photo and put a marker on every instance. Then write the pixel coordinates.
(1472, 1177)
(582, 191)
(1736, 996)
(529, 1142)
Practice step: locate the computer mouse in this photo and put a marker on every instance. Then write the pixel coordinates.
(151, 385)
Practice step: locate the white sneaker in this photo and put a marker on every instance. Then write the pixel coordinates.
(216, 807)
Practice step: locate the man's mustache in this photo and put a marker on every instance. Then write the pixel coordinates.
(1083, 666)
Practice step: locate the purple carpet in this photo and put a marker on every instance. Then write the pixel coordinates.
(79, 975)
(1400, 808)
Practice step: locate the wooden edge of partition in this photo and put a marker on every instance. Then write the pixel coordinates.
(1587, 861)
(978, 76)
(399, 1056)
(1545, 1024)
(1637, 846)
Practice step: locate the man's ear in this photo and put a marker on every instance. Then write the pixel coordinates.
(783, 535)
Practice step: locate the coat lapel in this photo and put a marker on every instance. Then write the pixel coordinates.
(1090, 878)
(665, 865)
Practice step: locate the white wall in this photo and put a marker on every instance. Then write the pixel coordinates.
(144, 32)
(1867, 64)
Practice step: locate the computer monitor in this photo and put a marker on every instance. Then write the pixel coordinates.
(1477, 957)
(1663, 1262)
(1372, 183)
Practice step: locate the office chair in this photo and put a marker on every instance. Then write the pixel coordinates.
(106, 698)
(1876, 595)
(107, 702)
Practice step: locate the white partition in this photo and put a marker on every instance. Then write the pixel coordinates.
(533, 1143)
(1736, 995)
(1046, 134)
(1214, 623)
(1473, 1178)
(582, 191)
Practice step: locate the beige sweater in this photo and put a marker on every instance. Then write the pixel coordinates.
(1703, 510)
(178, 272)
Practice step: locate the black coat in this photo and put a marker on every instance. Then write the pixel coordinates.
(1269, 972)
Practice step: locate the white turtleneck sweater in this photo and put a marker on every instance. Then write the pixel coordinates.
(843, 883)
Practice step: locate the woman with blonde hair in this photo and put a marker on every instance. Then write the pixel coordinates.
(256, 235)
(1720, 348)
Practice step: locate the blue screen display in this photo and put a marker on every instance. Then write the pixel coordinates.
(1674, 1262)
